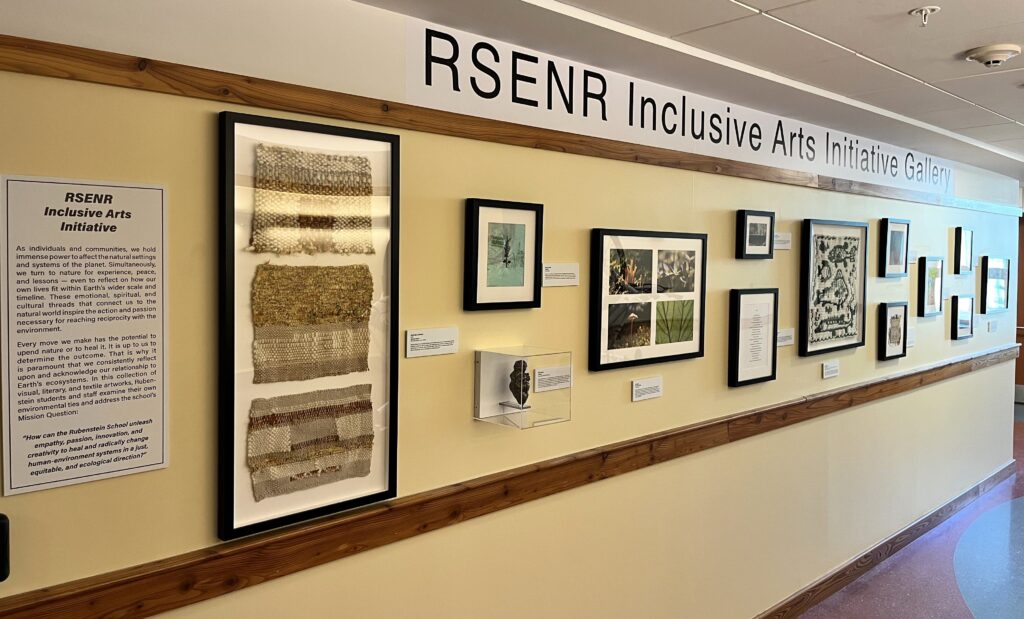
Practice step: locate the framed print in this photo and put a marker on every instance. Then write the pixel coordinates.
(963, 250)
(646, 297)
(962, 310)
(503, 255)
(929, 286)
(755, 235)
(892, 330)
(894, 248)
(833, 285)
(308, 321)
(995, 285)
(753, 330)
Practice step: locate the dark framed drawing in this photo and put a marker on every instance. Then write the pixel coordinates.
(308, 321)
(929, 285)
(995, 285)
(504, 243)
(755, 235)
(753, 331)
(894, 248)
(833, 285)
(892, 330)
(963, 250)
(961, 316)
(647, 294)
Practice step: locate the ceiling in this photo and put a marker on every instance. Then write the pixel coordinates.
(862, 66)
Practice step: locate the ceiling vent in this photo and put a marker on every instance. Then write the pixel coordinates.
(993, 55)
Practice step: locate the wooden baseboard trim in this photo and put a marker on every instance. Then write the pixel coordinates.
(28, 56)
(156, 587)
(814, 594)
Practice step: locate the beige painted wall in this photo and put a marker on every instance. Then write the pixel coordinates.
(723, 533)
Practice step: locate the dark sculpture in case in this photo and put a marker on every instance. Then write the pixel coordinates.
(519, 382)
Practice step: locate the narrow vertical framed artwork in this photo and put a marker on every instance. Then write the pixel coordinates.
(963, 250)
(995, 285)
(929, 285)
(647, 292)
(503, 254)
(894, 248)
(753, 331)
(892, 330)
(755, 235)
(961, 316)
(833, 286)
(308, 321)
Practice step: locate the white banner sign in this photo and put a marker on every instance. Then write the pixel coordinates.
(461, 72)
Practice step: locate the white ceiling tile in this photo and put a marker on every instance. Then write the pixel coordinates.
(1014, 145)
(846, 75)
(1002, 91)
(910, 100)
(664, 18)
(961, 117)
(762, 42)
(768, 5)
(993, 133)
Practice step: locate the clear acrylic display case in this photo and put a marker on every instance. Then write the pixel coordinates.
(505, 398)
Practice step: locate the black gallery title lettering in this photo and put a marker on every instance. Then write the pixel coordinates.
(555, 86)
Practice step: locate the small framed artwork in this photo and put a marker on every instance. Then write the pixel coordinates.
(755, 235)
(647, 294)
(504, 243)
(995, 285)
(753, 330)
(833, 286)
(892, 330)
(308, 321)
(929, 286)
(894, 248)
(962, 309)
(963, 250)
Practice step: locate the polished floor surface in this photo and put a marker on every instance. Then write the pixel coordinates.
(972, 565)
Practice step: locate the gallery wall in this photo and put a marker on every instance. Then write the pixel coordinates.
(707, 532)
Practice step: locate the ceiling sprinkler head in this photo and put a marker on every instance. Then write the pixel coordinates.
(993, 55)
(924, 13)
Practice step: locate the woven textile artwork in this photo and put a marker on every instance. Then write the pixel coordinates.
(310, 321)
(835, 289)
(310, 202)
(302, 441)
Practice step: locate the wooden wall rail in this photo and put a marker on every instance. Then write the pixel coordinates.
(159, 586)
(32, 57)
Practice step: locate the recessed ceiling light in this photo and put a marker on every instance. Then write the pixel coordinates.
(993, 55)
(924, 13)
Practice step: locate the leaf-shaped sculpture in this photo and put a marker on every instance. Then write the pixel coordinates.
(519, 382)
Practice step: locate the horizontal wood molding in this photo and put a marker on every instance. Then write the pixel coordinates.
(148, 589)
(804, 600)
(33, 57)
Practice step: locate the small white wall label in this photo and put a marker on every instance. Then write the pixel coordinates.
(911, 337)
(786, 337)
(561, 274)
(646, 388)
(430, 342)
(551, 379)
(830, 369)
(783, 240)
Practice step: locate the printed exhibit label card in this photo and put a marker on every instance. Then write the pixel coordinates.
(550, 379)
(911, 337)
(561, 274)
(85, 324)
(783, 240)
(430, 342)
(647, 388)
(786, 337)
(830, 369)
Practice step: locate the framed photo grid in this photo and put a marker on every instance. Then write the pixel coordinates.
(833, 286)
(753, 331)
(963, 250)
(961, 316)
(755, 235)
(995, 285)
(504, 249)
(647, 293)
(892, 330)
(929, 285)
(894, 248)
(308, 321)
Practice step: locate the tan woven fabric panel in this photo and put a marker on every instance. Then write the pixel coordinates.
(302, 441)
(309, 202)
(310, 321)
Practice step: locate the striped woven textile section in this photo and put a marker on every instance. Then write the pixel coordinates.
(308, 202)
(301, 441)
(310, 322)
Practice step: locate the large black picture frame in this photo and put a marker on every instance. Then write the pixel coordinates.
(471, 290)
(647, 294)
(963, 250)
(955, 303)
(735, 305)
(986, 280)
(807, 254)
(228, 526)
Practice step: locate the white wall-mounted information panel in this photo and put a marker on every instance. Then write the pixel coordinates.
(84, 328)
(430, 342)
(646, 388)
(561, 274)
